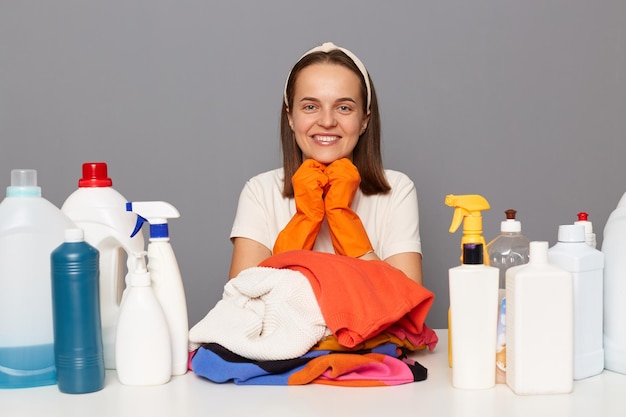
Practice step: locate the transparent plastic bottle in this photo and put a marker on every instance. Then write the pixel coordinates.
(31, 227)
(510, 248)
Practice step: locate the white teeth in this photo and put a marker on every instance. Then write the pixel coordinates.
(326, 139)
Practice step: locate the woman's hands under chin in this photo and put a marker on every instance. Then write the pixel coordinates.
(346, 229)
(309, 184)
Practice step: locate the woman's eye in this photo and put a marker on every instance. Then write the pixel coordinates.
(344, 108)
(309, 107)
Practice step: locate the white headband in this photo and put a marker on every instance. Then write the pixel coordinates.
(327, 47)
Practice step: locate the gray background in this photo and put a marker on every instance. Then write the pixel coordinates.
(522, 101)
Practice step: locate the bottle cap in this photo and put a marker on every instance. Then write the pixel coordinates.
(95, 175)
(473, 253)
(590, 237)
(538, 252)
(23, 183)
(510, 225)
(141, 276)
(571, 233)
(74, 235)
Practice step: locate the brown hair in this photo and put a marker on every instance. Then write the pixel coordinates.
(367, 156)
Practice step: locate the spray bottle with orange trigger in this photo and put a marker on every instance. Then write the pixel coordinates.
(467, 210)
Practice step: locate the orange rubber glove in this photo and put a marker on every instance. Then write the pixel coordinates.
(309, 184)
(346, 230)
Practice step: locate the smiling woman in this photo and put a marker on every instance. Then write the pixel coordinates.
(332, 194)
(327, 115)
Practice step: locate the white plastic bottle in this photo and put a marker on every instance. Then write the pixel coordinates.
(474, 313)
(143, 355)
(100, 210)
(614, 249)
(31, 227)
(166, 277)
(590, 236)
(540, 322)
(509, 248)
(586, 265)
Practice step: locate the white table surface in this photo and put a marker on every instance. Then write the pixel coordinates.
(188, 395)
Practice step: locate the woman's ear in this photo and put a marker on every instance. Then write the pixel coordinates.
(364, 123)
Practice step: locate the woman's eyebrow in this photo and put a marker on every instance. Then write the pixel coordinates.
(339, 100)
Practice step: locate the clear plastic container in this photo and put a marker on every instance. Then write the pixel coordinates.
(510, 248)
(30, 229)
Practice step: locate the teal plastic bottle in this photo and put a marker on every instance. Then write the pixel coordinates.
(78, 350)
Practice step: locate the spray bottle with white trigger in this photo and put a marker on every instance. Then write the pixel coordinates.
(166, 277)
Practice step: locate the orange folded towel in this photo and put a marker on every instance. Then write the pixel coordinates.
(358, 298)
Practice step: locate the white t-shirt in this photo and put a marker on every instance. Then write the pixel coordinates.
(391, 220)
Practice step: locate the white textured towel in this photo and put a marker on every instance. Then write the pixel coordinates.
(264, 314)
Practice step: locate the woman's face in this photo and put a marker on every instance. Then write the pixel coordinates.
(327, 117)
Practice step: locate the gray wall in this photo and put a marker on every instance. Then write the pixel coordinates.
(520, 101)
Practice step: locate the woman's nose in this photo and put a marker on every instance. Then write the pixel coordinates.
(327, 118)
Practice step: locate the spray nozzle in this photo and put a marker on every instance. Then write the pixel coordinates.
(468, 207)
(156, 214)
(582, 216)
(140, 276)
(140, 261)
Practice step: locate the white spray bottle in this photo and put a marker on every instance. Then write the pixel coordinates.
(143, 355)
(167, 281)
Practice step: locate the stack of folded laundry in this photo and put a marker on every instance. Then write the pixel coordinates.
(311, 317)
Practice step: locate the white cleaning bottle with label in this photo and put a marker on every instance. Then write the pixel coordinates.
(586, 265)
(100, 210)
(540, 323)
(614, 249)
(166, 278)
(143, 355)
(474, 312)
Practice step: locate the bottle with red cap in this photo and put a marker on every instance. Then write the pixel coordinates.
(590, 236)
(586, 264)
(100, 210)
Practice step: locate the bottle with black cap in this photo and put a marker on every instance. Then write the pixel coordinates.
(473, 301)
